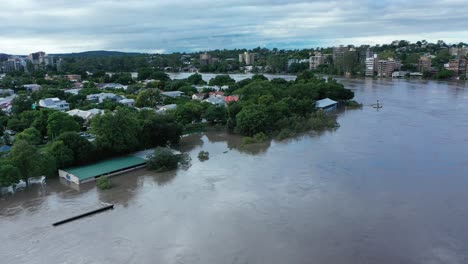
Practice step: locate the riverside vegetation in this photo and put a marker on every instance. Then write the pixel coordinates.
(47, 140)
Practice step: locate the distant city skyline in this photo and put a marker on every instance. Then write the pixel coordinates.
(163, 26)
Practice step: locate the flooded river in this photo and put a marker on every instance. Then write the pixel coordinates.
(388, 186)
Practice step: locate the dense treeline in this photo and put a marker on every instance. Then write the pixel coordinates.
(48, 139)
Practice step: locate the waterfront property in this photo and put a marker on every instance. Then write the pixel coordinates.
(106, 168)
(326, 104)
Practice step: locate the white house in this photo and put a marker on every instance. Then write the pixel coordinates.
(215, 100)
(32, 87)
(198, 96)
(326, 104)
(73, 91)
(113, 86)
(128, 102)
(103, 96)
(54, 103)
(164, 108)
(86, 115)
(172, 94)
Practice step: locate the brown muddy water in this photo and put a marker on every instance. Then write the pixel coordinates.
(388, 186)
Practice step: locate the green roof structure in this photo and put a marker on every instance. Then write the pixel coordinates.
(105, 167)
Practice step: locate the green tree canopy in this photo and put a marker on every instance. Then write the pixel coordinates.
(60, 122)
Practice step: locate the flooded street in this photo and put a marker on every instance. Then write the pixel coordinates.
(388, 186)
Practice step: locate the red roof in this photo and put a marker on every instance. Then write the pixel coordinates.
(231, 98)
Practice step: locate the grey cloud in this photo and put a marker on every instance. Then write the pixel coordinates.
(146, 25)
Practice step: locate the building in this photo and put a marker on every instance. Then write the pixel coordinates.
(99, 98)
(106, 168)
(458, 52)
(198, 96)
(54, 103)
(165, 108)
(32, 87)
(73, 91)
(216, 94)
(371, 65)
(73, 77)
(326, 104)
(400, 74)
(339, 52)
(458, 66)
(207, 59)
(86, 115)
(113, 86)
(173, 94)
(127, 102)
(424, 64)
(231, 98)
(215, 100)
(247, 58)
(385, 68)
(316, 60)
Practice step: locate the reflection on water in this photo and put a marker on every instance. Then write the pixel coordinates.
(386, 187)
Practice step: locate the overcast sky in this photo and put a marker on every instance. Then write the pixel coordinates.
(56, 26)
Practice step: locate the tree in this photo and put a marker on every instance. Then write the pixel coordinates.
(222, 79)
(9, 175)
(26, 158)
(215, 114)
(188, 90)
(196, 79)
(158, 130)
(162, 160)
(83, 150)
(148, 98)
(252, 120)
(60, 122)
(30, 135)
(21, 103)
(189, 112)
(62, 154)
(116, 133)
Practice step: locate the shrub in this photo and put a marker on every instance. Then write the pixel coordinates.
(162, 160)
(103, 183)
(257, 138)
(203, 155)
(353, 104)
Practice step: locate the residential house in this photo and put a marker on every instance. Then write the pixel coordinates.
(32, 87)
(165, 108)
(326, 104)
(231, 98)
(99, 98)
(54, 103)
(215, 100)
(86, 115)
(173, 94)
(113, 86)
(73, 91)
(198, 96)
(127, 102)
(216, 94)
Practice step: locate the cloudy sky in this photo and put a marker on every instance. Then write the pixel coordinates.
(171, 25)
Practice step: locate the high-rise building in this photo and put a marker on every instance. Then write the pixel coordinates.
(316, 60)
(459, 52)
(385, 68)
(339, 52)
(371, 64)
(207, 59)
(248, 58)
(458, 66)
(424, 64)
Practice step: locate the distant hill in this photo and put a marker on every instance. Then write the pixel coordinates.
(3, 56)
(98, 53)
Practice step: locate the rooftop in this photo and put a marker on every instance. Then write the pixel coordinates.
(105, 167)
(325, 103)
